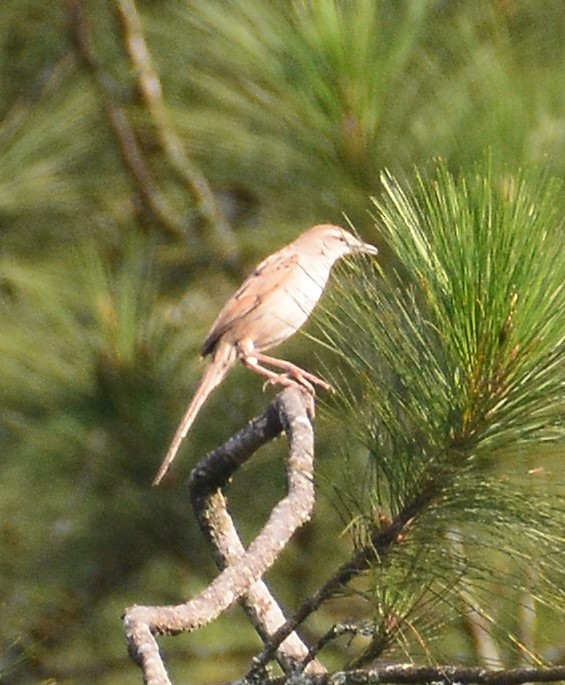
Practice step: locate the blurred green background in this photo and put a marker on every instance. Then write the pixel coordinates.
(125, 222)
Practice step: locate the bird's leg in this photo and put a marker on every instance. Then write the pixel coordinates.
(302, 376)
(293, 375)
(273, 378)
(295, 378)
(285, 379)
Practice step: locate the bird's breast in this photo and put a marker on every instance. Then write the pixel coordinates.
(285, 310)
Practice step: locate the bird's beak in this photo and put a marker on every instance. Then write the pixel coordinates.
(365, 248)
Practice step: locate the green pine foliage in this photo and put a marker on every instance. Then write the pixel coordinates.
(458, 361)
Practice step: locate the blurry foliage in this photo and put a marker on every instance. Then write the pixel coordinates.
(291, 110)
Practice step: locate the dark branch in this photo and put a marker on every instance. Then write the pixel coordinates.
(381, 542)
(415, 675)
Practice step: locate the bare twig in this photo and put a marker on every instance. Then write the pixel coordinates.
(332, 634)
(142, 623)
(151, 197)
(415, 675)
(152, 93)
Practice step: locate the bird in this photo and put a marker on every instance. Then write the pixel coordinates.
(271, 305)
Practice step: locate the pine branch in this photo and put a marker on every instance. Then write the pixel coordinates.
(152, 92)
(132, 156)
(380, 544)
(458, 363)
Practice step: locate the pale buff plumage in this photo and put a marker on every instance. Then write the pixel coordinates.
(271, 305)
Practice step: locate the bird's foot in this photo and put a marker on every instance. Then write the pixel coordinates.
(307, 389)
(290, 371)
(287, 380)
(302, 380)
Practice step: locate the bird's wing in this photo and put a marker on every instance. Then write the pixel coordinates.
(271, 274)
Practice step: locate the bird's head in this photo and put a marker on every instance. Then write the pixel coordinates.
(333, 241)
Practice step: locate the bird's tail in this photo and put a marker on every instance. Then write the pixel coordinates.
(224, 358)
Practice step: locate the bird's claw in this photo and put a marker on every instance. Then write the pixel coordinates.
(305, 387)
(280, 379)
(287, 380)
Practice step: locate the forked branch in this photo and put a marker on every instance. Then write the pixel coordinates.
(242, 569)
